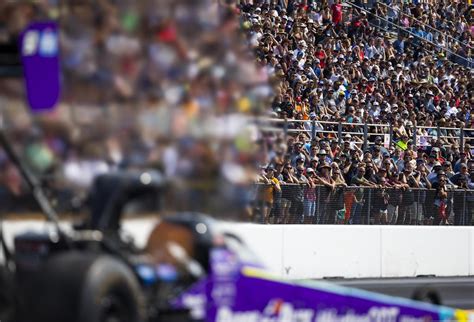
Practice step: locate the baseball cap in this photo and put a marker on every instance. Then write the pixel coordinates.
(270, 168)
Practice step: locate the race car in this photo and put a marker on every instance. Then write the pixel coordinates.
(189, 270)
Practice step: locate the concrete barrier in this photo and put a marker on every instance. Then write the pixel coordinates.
(362, 251)
(311, 251)
(414, 251)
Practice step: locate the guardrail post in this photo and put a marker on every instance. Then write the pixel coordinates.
(369, 205)
(318, 201)
(438, 132)
(365, 136)
(313, 129)
(390, 133)
(285, 128)
(463, 218)
(414, 137)
(339, 133)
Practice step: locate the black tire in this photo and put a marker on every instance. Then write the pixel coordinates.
(7, 296)
(79, 287)
(111, 293)
(427, 295)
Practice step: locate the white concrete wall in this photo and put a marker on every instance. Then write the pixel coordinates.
(311, 251)
(412, 251)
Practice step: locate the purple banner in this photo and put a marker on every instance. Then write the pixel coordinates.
(39, 47)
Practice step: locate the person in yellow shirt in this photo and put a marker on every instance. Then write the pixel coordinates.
(270, 184)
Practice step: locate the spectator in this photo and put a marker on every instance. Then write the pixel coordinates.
(462, 174)
(360, 195)
(297, 202)
(276, 212)
(441, 200)
(339, 194)
(328, 212)
(463, 202)
(336, 9)
(408, 214)
(270, 186)
(309, 214)
(287, 191)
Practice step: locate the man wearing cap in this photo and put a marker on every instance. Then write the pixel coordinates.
(297, 203)
(431, 162)
(359, 196)
(322, 156)
(462, 160)
(324, 178)
(310, 198)
(448, 169)
(441, 198)
(436, 172)
(408, 213)
(299, 154)
(437, 153)
(462, 174)
(270, 185)
(379, 143)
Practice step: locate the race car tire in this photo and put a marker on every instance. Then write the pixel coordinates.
(7, 296)
(111, 293)
(81, 287)
(427, 295)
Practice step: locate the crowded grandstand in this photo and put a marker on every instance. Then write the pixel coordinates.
(367, 106)
(376, 96)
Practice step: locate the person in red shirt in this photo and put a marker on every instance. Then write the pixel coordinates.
(321, 55)
(336, 11)
(371, 86)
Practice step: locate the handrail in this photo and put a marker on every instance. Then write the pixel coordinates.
(274, 129)
(386, 129)
(350, 187)
(277, 120)
(424, 24)
(411, 33)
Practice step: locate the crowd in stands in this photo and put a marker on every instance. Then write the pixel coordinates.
(447, 24)
(330, 61)
(146, 84)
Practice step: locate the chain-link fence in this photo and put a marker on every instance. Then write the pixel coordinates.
(302, 204)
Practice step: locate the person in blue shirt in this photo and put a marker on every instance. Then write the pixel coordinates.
(317, 67)
(399, 44)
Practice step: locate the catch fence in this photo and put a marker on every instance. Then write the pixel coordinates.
(301, 204)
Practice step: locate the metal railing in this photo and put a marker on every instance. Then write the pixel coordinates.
(300, 204)
(467, 61)
(365, 131)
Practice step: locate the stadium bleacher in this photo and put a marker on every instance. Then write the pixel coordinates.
(383, 90)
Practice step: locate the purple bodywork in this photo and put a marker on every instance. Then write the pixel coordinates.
(234, 291)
